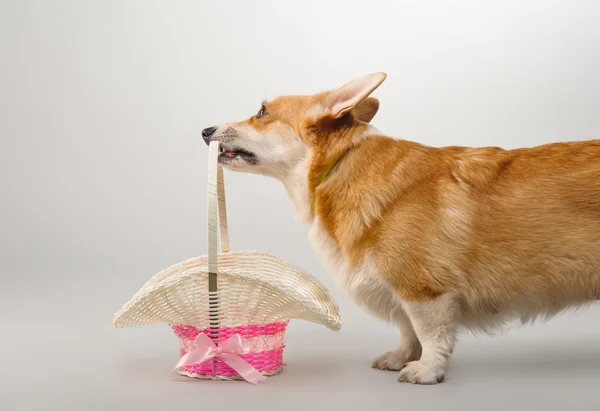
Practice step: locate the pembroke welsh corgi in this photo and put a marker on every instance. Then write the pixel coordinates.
(431, 239)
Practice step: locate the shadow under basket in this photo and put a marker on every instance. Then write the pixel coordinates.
(262, 348)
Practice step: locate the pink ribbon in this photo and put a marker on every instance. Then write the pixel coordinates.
(229, 351)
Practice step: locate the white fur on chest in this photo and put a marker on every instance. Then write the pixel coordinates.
(364, 285)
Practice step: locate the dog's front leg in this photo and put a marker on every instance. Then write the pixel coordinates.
(435, 326)
(409, 349)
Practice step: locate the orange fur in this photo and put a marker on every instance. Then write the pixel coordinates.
(496, 226)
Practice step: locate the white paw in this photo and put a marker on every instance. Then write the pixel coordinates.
(394, 360)
(421, 372)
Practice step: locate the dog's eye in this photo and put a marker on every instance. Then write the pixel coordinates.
(261, 112)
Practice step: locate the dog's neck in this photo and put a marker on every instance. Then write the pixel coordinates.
(296, 181)
(296, 184)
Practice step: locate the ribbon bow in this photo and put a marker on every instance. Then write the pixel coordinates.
(229, 351)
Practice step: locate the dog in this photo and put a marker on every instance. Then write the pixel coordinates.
(434, 240)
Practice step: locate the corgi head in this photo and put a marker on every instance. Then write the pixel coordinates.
(291, 129)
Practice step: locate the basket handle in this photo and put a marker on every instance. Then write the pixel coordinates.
(217, 214)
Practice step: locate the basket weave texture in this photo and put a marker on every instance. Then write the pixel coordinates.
(252, 294)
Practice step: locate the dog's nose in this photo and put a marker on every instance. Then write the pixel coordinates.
(207, 132)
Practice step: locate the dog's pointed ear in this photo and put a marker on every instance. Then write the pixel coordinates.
(341, 101)
(366, 109)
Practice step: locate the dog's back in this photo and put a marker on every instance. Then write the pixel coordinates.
(535, 244)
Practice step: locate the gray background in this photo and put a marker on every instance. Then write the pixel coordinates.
(103, 176)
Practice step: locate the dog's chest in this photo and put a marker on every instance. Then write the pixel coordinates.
(363, 284)
(329, 254)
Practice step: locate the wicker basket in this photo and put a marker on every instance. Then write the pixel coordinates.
(242, 298)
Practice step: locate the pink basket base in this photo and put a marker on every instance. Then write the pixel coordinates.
(263, 350)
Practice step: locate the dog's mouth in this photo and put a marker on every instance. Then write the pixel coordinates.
(228, 154)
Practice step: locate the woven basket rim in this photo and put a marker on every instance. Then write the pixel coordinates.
(327, 311)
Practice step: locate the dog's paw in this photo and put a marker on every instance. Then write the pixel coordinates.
(392, 360)
(421, 372)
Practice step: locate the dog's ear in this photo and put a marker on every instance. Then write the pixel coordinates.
(341, 101)
(366, 109)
